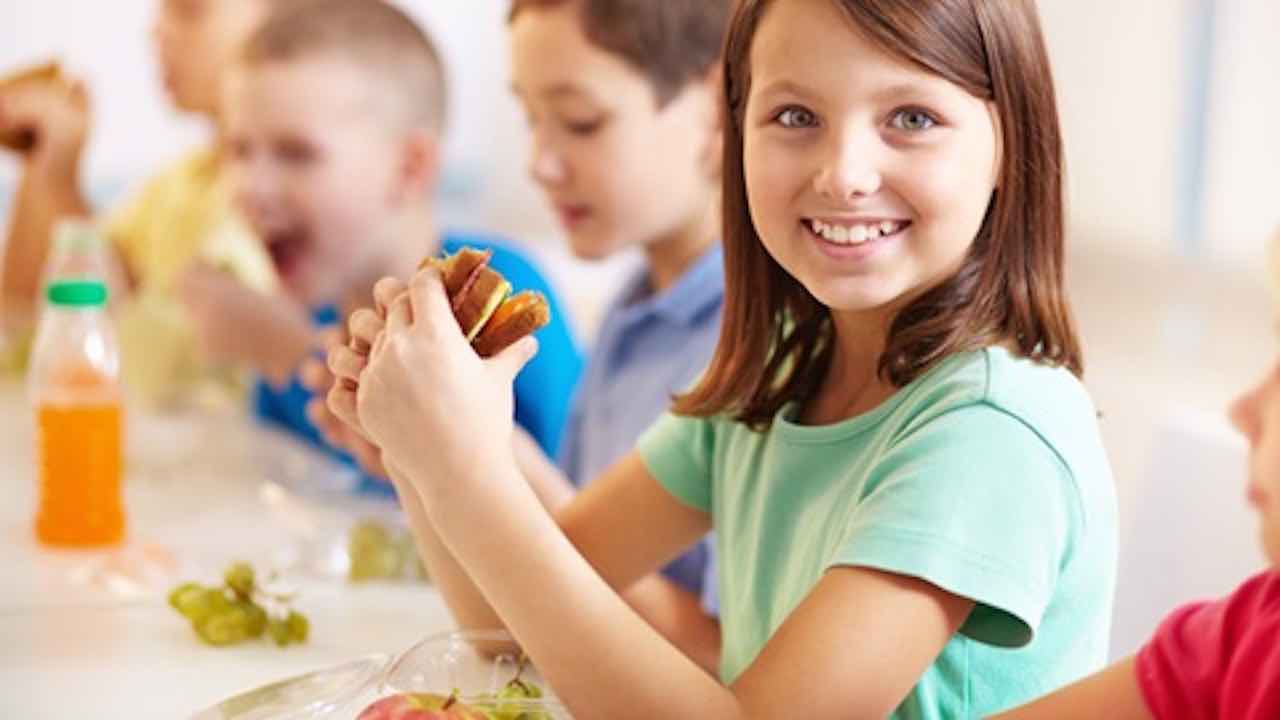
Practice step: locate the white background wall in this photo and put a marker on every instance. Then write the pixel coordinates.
(1243, 168)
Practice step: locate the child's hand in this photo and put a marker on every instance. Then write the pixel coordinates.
(316, 377)
(236, 324)
(346, 361)
(55, 115)
(423, 380)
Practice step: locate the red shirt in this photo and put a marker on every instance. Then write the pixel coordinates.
(1219, 659)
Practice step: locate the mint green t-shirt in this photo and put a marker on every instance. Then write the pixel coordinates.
(986, 477)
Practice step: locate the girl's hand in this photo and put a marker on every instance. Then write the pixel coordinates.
(317, 378)
(346, 361)
(424, 383)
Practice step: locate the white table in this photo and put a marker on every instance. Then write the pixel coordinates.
(72, 648)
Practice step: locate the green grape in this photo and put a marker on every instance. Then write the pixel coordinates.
(256, 617)
(510, 701)
(373, 552)
(197, 603)
(279, 632)
(226, 627)
(299, 626)
(184, 597)
(228, 614)
(239, 577)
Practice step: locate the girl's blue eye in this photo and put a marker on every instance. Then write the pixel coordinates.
(797, 117)
(913, 120)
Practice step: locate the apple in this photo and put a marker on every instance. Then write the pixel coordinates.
(420, 706)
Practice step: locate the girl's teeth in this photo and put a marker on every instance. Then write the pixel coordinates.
(853, 235)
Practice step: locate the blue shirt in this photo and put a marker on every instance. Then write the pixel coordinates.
(543, 389)
(649, 348)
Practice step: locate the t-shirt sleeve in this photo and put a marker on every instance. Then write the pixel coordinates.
(975, 502)
(1178, 669)
(1210, 660)
(678, 452)
(545, 387)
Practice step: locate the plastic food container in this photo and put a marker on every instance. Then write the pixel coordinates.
(343, 527)
(469, 670)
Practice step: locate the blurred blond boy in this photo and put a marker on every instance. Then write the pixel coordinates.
(182, 212)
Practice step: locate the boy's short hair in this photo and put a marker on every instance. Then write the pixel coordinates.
(671, 42)
(372, 34)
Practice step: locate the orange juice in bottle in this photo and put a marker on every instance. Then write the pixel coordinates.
(74, 386)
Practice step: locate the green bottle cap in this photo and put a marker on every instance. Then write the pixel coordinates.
(78, 293)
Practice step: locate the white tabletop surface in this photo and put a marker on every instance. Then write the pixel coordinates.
(74, 645)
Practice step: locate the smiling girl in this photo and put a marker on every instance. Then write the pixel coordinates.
(914, 513)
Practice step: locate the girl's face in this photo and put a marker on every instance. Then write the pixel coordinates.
(619, 171)
(867, 178)
(1256, 414)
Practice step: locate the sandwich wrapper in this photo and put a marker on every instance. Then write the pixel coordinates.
(474, 664)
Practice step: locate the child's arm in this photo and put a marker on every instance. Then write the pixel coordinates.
(1112, 693)
(49, 189)
(669, 608)
(853, 648)
(234, 323)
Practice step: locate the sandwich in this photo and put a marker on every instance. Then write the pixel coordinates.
(491, 317)
(23, 139)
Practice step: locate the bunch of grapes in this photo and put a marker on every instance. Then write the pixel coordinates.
(381, 553)
(234, 612)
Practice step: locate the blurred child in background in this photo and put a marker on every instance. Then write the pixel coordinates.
(182, 212)
(333, 122)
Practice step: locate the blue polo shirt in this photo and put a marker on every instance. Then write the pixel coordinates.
(543, 390)
(649, 348)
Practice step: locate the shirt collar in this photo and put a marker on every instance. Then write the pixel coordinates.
(699, 289)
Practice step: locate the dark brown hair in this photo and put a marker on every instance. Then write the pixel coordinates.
(375, 36)
(671, 42)
(776, 341)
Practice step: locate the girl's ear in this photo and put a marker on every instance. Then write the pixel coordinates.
(419, 166)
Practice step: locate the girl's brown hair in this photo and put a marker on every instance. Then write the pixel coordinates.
(671, 42)
(776, 342)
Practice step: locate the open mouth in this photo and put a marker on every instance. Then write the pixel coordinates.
(571, 215)
(286, 247)
(853, 233)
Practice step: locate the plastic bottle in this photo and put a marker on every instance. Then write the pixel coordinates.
(73, 382)
(77, 253)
